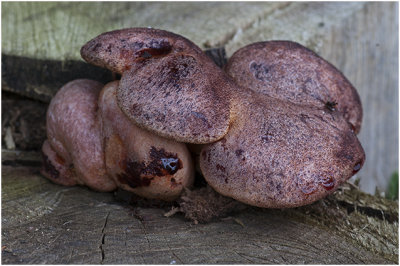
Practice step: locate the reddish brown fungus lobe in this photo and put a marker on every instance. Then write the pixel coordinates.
(141, 174)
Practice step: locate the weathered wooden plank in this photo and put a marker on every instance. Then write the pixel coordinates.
(41, 78)
(58, 30)
(43, 223)
(370, 38)
(23, 122)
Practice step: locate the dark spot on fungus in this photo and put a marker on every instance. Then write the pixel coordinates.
(156, 49)
(331, 106)
(49, 167)
(220, 168)
(349, 157)
(140, 174)
(356, 167)
(163, 162)
(303, 118)
(223, 142)
(109, 48)
(344, 154)
(133, 175)
(135, 45)
(145, 54)
(259, 71)
(239, 152)
(97, 46)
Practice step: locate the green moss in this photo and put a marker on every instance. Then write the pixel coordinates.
(393, 187)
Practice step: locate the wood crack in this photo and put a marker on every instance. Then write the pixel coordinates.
(103, 236)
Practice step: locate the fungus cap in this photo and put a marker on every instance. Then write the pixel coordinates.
(289, 71)
(168, 85)
(278, 154)
(292, 140)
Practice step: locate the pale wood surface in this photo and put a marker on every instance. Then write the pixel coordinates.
(47, 223)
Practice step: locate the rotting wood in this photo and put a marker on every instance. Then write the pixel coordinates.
(46, 223)
(26, 120)
(40, 78)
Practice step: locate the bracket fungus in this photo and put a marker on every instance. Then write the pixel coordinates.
(91, 142)
(168, 85)
(276, 128)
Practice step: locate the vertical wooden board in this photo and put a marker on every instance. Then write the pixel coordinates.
(306, 23)
(365, 48)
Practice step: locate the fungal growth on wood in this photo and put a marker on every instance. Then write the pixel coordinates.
(276, 128)
(91, 142)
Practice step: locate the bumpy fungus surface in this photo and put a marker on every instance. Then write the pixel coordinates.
(73, 150)
(168, 85)
(289, 145)
(277, 128)
(291, 72)
(91, 142)
(137, 160)
(281, 155)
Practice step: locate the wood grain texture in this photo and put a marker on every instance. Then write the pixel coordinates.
(41, 42)
(58, 30)
(370, 38)
(43, 223)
